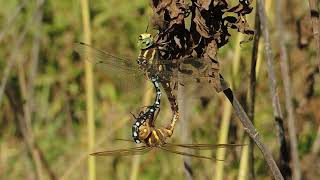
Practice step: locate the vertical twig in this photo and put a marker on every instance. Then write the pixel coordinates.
(284, 160)
(288, 97)
(89, 91)
(314, 11)
(252, 89)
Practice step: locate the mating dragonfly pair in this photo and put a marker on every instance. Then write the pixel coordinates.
(167, 73)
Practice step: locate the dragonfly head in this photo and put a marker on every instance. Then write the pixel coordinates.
(145, 40)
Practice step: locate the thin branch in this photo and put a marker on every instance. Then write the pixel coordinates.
(252, 89)
(314, 11)
(250, 129)
(284, 160)
(288, 96)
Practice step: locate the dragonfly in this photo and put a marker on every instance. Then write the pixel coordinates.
(156, 138)
(167, 73)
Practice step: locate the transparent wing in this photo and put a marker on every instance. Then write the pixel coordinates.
(195, 76)
(205, 146)
(124, 152)
(192, 72)
(171, 150)
(107, 61)
(124, 73)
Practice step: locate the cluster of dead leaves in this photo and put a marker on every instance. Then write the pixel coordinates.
(210, 21)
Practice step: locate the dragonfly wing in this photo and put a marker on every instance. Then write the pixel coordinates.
(199, 76)
(124, 73)
(124, 152)
(172, 150)
(205, 146)
(105, 60)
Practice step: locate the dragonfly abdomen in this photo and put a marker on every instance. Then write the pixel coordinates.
(158, 136)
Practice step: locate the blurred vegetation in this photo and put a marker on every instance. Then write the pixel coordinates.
(57, 101)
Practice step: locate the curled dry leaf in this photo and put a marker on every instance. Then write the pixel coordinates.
(201, 27)
(204, 4)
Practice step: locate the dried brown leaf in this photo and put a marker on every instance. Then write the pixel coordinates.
(204, 4)
(211, 50)
(201, 27)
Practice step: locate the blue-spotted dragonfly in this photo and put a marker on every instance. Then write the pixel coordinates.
(168, 73)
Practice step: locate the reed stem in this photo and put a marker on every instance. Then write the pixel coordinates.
(89, 91)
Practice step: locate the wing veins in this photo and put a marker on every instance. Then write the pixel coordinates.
(205, 146)
(124, 152)
(186, 154)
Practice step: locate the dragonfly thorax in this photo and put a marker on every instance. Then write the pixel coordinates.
(147, 58)
(145, 41)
